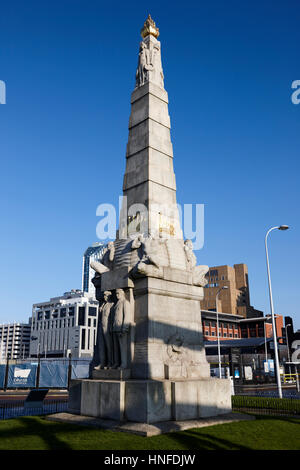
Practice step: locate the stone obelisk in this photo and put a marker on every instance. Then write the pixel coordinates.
(149, 178)
(149, 363)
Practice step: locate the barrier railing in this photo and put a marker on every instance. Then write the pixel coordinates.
(17, 408)
(266, 405)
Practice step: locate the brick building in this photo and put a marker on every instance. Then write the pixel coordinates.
(238, 327)
(234, 300)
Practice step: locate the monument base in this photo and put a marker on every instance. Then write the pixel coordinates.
(150, 401)
(148, 430)
(111, 374)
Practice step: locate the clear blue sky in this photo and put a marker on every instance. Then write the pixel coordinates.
(69, 68)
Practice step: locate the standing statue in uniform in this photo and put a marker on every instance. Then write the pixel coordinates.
(120, 330)
(104, 334)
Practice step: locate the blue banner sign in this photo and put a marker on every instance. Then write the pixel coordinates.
(80, 370)
(54, 374)
(22, 375)
(2, 374)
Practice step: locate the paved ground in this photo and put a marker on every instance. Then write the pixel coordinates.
(147, 430)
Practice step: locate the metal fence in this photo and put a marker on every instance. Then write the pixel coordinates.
(241, 390)
(17, 408)
(266, 405)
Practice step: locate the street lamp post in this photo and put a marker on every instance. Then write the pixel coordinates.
(218, 336)
(281, 227)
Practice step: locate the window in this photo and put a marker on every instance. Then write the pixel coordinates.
(81, 316)
(47, 314)
(83, 338)
(244, 333)
(93, 311)
(63, 312)
(71, 311)
(213, 272)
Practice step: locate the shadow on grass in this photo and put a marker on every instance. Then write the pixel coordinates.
(46, 435)
(193, 440)
(36, 433)
(290, 419)
(34, 427)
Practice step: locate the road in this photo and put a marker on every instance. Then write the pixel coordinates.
(16, 395)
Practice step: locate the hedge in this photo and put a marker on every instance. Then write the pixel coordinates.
(266, 403)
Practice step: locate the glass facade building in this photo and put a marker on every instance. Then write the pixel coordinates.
(93, 253)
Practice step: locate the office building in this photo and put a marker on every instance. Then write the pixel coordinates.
(234, 300)
(64, 325)
(92, 253)
(14, 340)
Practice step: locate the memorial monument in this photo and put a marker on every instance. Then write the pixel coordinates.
(149, 363)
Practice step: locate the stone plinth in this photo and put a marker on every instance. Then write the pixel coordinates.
(168, 328)
(150, 401)
(111, 374)
(97, 398)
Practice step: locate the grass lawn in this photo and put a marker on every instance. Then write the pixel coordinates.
(35, 433)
